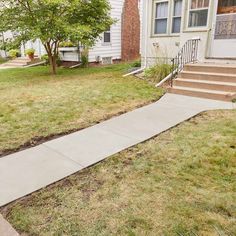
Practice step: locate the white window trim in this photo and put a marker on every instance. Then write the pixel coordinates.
(169, 19)
(154, 18)
(106, 43)
(196, 28)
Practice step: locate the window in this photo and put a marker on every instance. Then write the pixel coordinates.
(198, 13)
(107, 36)
(161, 16)
(176, 19)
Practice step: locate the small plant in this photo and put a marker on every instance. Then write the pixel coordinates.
(136, 64)
(234, 100)
(84, 58)
(67, 44)
(158, 72)
(13, 53)
(30, 52)
(58, 61)
(45, 58)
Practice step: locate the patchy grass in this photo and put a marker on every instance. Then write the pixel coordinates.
(179, 183)
(35, 105)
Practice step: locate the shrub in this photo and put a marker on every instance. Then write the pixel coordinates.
(84, 58)
(158, 72)
(67, 44)
(136, 64)
(29, 51)
(13, 53)
(45, 58)
(58, 61)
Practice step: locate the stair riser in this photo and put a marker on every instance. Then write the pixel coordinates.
(201, 94)
(211, 69)
(219, 78)
(14, 64)
(21, 61)
(199, 85)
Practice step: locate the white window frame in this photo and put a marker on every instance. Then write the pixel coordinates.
(172, 17)
(154, 17)
(103, 42)
(197, 9)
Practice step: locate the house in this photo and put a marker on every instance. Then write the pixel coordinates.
(170, 23)
(120, 42)
(201, 36)
(3, 37)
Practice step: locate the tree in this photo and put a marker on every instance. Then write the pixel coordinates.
(55, 21)
(2, 36)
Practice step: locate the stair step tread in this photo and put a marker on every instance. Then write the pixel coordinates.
(213, 65)
(206, 82)
(208, 73)
(203, 90)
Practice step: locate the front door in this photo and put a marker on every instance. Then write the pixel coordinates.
(224, 38)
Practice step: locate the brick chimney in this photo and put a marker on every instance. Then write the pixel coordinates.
(130, 32)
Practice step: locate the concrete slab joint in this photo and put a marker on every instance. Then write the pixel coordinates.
(59, 158)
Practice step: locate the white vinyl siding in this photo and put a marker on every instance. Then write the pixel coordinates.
(101, 49)
(198, 13)
(112, 49)
(161, 18)
(176, 19)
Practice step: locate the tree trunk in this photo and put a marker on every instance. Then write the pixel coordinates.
(52, 63)
(51, 57)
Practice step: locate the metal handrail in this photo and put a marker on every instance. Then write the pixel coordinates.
(187, 54)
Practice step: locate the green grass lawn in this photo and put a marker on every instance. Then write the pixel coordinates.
(182, 182)
(34, 104)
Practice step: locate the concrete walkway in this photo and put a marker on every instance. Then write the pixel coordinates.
(27, 171)
(6, 229)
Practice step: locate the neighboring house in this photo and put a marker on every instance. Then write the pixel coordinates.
(3, 37)
(170, 23)
(199, 38)
(120, 42)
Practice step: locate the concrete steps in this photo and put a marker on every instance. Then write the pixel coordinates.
(212, 81)
(18, 62)
(212, 68)
(205, 84)
(202, 93)
(221, 77)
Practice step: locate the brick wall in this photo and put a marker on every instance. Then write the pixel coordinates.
(130, 33)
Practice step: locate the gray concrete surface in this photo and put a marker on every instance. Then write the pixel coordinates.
(6, 229)
(27, 171)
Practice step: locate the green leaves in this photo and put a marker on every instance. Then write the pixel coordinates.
(58, 19)
(54, 21)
